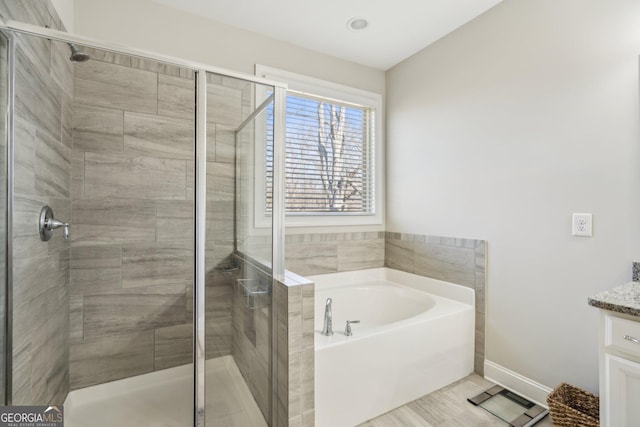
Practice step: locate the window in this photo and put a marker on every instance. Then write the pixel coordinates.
(332, 149)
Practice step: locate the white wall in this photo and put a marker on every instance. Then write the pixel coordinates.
(500, 131)
(147, 25)
(65, 12)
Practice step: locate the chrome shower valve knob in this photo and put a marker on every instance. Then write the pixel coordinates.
(48, 223)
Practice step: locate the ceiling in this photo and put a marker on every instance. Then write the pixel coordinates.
(397, 29)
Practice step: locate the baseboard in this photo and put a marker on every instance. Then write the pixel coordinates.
(522, 385)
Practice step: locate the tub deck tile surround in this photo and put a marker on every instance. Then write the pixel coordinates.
(360, 254)
(312, 258)
(399, 254)
(455, 265)
(295, 352)
(321, 253)
(480, 285)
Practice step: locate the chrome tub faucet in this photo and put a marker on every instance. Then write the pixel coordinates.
(327, 329)
(347, 329)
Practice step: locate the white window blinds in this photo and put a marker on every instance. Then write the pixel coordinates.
(329, 157)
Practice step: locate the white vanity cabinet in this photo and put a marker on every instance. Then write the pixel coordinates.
(619, 369)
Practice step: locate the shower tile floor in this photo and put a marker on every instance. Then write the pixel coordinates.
(164, 398)
(446, 407)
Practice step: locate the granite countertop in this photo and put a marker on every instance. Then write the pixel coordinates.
(623, 299)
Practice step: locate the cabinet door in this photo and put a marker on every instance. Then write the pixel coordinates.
(623, 391)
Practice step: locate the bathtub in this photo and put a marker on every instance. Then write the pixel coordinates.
(415, 336)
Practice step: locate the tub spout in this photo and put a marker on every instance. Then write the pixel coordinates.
(327, 329)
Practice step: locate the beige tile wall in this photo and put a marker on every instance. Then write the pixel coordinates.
(42, 177)
(320, 253)
(132, 224)
(131, 270)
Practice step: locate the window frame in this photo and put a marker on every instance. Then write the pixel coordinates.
(315, 87)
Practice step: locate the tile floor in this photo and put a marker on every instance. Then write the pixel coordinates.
(446, 407)
(164, 398)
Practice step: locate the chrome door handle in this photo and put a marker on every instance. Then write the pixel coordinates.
(632, 339)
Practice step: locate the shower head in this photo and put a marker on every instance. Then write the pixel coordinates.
(77, 55)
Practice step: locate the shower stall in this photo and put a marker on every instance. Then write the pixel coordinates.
(137, 284)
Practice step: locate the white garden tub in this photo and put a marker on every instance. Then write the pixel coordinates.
(415, 336)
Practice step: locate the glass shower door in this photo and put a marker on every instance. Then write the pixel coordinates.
(103, 321)
(239, 308)
(4, 145)
(132, 254)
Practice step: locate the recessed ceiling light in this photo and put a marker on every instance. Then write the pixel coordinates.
(357, 24)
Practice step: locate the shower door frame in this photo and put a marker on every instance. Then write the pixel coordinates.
(9, 168)
(201, 70)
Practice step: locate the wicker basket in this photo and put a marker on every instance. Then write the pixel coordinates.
(570, 406)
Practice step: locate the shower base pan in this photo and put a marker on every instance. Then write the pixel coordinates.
(165, 398)
(509, 407)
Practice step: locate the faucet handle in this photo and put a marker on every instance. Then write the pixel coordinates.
(347, 329)
(48, 223)
(52, 224)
